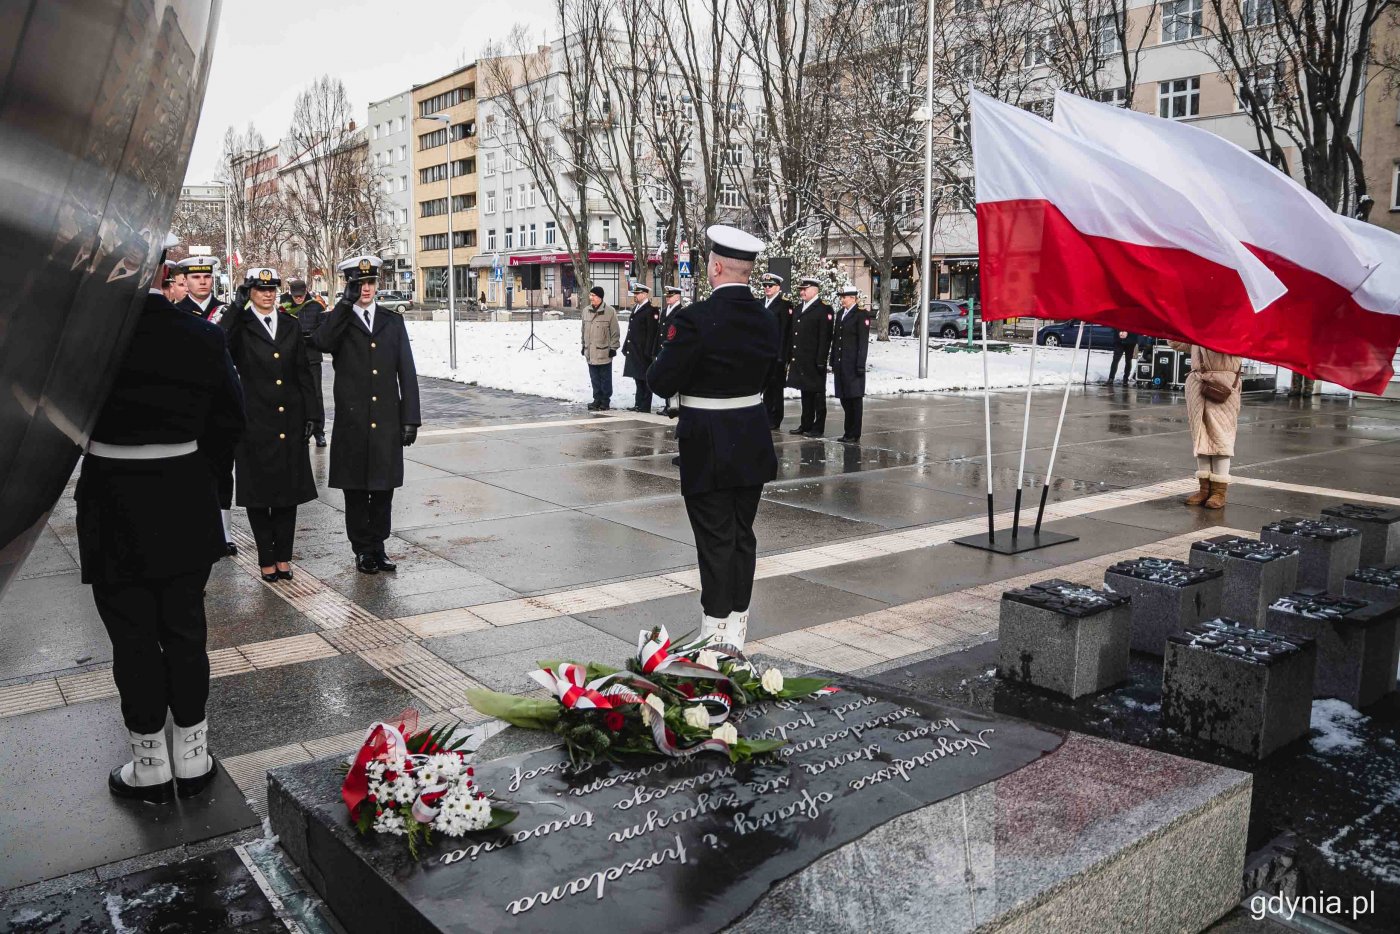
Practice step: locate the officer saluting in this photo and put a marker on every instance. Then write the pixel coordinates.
(717, 355)
(309, 312)
(376, 408)
(781, 310)
(672, 304)
(808, 352)
(199, 278)
(850, 342)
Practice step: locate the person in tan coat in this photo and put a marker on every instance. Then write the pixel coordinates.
(601, 338)
(1213, 424)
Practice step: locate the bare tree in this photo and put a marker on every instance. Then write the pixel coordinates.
(257, 218)
(1093, 48)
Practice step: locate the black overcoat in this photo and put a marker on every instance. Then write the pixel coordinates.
(850, 343)
(639, 347)
(272, 465)
(784, 313)
(663, 318)
(309, 315)
(722, 347)
(189, 304)
(376, 394)
(810, 347)
(150, 519)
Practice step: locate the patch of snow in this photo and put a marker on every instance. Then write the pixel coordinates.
(1335, 722)
(115, 906)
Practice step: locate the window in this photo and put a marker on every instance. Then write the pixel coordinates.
(491, 239)
(507, 160)
(1181, 19)
(398, 125)
(734, 154)
(464, 238)
(962, 129)
(432, 140)
(433, 241)
(1179, 99)
(1256, 13)
(969, 62)
(432, 208)
(465, 166)
(464, 202)
(729, 196)
(967, 6)
(433, 173)
(490, 202)
(445, 100)
(1045, 107)
(490, 164)
(510, 238)
(532, 235)
(1040, 46)
(1395, 187)
(403, 215)
(374, 132)
(509, 196)
(520, 195)
(402, 153)
(1106, 36)
(549, 232)
(607, 229)
(531, 195)
(660, 233)
(403, 183)
(1118, 97)
(463, 130)
(1260, 86)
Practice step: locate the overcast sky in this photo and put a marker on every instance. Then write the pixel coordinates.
(268, 50)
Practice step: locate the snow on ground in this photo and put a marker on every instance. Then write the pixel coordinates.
(489, 354)
(1335, 722)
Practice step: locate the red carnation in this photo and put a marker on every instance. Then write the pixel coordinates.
(686, 688)
(613, 720)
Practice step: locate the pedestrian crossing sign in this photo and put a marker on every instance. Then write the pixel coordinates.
(685, 268)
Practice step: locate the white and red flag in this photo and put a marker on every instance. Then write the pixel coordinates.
(1336, 321)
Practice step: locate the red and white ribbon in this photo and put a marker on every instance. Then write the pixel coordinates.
(571, 687)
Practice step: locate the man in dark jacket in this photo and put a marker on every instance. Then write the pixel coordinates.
(672, 304)
(781, 310)
(309, 312)
(1124, 347)
(717, 357)
(639, 345)
(199, 278)
(376, 408)
(809, 350)
(149, 531)
(850, 342)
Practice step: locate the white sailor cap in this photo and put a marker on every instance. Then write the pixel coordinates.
(674, 290)
(813, 281)
(640, 287)
(733, 242)
(263, 277)
(203, 264)
(361, 267)
(170, 240)
(771, 278)
(849, 290)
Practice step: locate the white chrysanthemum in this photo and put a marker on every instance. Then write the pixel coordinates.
(389, 822)
(478, 814)
(446, 765)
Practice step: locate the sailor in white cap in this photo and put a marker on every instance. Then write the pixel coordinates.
(672, 304)
(850, 342)
(639, 347)
(717, 355)
(809, 350)
(781, 310)
(199, 277)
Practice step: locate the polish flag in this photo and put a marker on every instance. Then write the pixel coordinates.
(1337, 322)
(1068, 230)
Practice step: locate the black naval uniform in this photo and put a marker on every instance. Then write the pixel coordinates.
(273, 466)
(149, 527)
(664, 314)
(376, 397)
(809, 353)
(208, 312)
(309, 315)
(214, 312)
(850, 343)
(781, 310)
(638, 348)
(721, 348)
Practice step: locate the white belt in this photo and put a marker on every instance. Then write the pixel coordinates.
(142, 452)
(705, 402)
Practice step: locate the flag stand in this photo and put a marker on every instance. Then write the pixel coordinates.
(1021, 540)
(1055, 447)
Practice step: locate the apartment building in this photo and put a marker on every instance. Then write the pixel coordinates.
(390, 137)
(1380, 133)
(443, 166)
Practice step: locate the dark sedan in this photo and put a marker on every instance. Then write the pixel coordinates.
(1064, 334)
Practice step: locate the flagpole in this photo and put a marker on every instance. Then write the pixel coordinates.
(987, 413)
(1055, 447)
(1025, 436)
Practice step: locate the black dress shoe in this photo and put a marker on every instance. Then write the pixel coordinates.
(152, 794)
(367, 564)
(284, 575)
(270, 578)
(231, 549)
(382, 562)
(797, 431)
(845, 440)
(189, 787)
(320, 441)
(592, 406)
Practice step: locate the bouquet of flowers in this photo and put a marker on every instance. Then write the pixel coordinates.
(670, 700)
(408, 783)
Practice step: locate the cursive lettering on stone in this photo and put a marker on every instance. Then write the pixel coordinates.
(884, 720)
(520, 777)
(808, 807)
(705, 803)
(816, 742)
(748, 713)
(644, 795)
(769, 785)
(933, 727)
(599, 880)
(816, 768)
(598, 784)
(781, 730)
(844, 709)
(577, 819)
(900, 768)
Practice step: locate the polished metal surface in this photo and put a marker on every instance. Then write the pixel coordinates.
(98, 108)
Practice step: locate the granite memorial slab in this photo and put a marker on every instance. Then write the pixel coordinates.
(1064, 637)
(1241, 688)
(1379, 528)
(883, 813)
(1328, 552)
(1358, 643)
(1256, 573)
(1374, 584)
(1167, 596)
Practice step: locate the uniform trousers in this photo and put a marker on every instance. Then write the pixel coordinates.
(159, 662)
(1124, 353)
(813, 411)
(368, 514)
(773, 402)
(274, 527)
(315, 370)
(855, 415)
(722, 521)
(643, 396)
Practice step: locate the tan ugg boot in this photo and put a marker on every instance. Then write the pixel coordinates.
(1217, 494)
(1201, 495)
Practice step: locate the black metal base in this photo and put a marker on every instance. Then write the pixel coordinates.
(1026, 540)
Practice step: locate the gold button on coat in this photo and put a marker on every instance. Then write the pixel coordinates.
(375, 372)
(372, 345)
(374, 398)
(373, 425)
(279, 382)
(276, 355)
(283, 437)
(281, 408)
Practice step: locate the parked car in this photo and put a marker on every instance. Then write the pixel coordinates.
(947, 320)
(395, 301)
(1064, 333)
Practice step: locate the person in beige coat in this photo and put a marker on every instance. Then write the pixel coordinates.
(1213, 424)
(601, 338)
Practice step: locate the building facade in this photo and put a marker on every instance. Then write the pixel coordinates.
(391, 139)
(443, 166)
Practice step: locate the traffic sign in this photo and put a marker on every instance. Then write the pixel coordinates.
(685, 268)
(497, 274)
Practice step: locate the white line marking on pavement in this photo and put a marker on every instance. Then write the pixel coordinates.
(1316, 490)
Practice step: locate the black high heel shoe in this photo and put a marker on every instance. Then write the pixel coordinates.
(284, 575)
(270, 578)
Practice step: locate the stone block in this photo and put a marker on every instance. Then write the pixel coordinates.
(1327, 552)
(1374, 585)
(1244, 689)
(1167, 596)
(1358, 643)
(1256, 574)
(1064, 637)
(1379, 528)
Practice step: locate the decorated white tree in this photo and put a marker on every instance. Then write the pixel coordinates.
(806, 261)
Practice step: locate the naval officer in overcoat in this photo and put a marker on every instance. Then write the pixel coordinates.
(809, 350)
(149, 532)
(781, 310)
(376, 408)
(272, 464)
(717, 356)
(850, 344)
(201, 302)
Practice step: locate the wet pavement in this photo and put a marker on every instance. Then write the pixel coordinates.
(528, 526)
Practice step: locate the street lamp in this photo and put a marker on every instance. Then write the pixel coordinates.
(925, 113)
(446, 121)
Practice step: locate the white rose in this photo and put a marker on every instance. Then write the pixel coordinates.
(726, 733)
(772, 681)
(697, 716)
(653, 706)
(707, 658)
